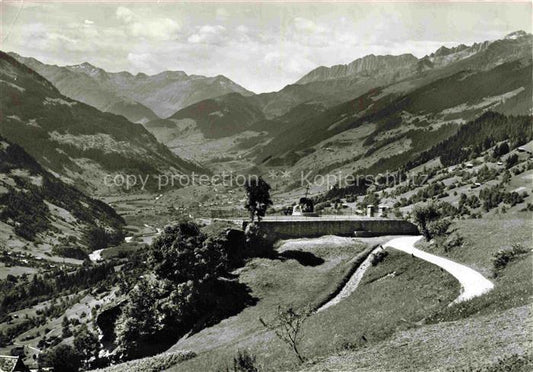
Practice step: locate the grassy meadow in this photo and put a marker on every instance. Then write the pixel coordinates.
(395, 294)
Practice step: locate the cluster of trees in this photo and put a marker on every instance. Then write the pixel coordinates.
(435, 189)
(431, 218)
(416, 181)
(257, 197)
(501, 258)
(359, 186)
(190, 288)
(67, 358)
(486, 174)
(492, 197)
(70, 252)
(16, 296)
(480, 135)
(27, 210)
(511, 161)
(466, 202)
(98, 238)
(371, 199)
(501, 149)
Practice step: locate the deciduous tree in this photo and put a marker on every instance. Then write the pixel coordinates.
(257, 197)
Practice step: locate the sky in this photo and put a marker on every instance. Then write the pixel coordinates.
(261, 46)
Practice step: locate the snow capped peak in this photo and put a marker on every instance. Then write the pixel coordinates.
(84, 66)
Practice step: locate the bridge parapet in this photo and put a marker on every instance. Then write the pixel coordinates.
(293, 228)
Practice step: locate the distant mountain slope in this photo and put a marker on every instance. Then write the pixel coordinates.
(72, 139)
(228, 127)
(319, 123)
(386, 123)
(279, 103)
(487, 55)
(222, 116)
(342, 83)
(332, 86)
(479, 135)
(36, 205)
(470, 141)
(170, 91)
(141, 97)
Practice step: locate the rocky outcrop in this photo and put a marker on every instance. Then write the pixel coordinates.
(445, 56)
(369, 65)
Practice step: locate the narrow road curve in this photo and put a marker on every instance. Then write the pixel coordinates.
(473, 284)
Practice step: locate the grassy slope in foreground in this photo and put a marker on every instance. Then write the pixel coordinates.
(379, 306)
(488, 333)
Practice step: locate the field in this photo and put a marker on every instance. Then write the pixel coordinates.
(15, 270)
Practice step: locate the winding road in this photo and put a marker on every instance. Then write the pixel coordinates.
(473, 284)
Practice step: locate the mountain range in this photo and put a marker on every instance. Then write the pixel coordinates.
(358, 108)
(139, 97)
(340, 118)
(75, 141)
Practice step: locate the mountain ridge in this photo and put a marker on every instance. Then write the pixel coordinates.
(75, 140)
(342, 95)
(404, 63)
(141, 97)
(364, 65)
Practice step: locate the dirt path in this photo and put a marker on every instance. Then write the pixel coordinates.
(473, 284)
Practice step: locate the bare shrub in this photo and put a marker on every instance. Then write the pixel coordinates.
(288, 327)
